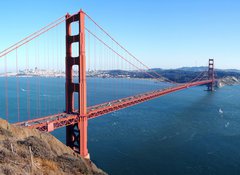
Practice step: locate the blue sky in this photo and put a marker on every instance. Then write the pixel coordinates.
(162, 33)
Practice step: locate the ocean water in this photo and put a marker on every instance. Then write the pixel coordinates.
(190, 132)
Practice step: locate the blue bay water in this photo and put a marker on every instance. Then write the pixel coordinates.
(180, 133)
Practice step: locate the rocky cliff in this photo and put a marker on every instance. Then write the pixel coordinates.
(26, 151)
(229, 80)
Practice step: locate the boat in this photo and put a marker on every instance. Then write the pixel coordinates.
(220, 111)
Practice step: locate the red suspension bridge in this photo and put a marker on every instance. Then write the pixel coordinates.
(87, 51)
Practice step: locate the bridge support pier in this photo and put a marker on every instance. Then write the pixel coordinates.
(76, 134)
(76, 137)
(83, 124)
(211, 74)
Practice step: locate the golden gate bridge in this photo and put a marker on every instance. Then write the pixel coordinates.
(86, 51)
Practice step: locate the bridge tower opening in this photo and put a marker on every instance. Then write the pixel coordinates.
(211, 74)
(76, 134)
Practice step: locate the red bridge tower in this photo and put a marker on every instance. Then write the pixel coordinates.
(211, 74)
(76, 134)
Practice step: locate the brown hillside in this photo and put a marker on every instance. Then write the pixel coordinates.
(26, 151)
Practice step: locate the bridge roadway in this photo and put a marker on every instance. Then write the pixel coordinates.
(50, 123)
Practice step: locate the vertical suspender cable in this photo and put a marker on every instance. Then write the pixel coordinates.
(36, 85)
(47, 84)
(6, 87)
(94, 83)
(57, 68)
(88, 63)
(39, 76)
(53, 70)
(17, 87)
(44, 79)
(28, 83)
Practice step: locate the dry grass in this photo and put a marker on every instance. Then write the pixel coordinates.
(25, 152)
(46, 166)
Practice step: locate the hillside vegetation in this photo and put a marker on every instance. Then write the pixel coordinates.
(25, 151)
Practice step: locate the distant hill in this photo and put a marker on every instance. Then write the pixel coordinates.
(185, 74)
(193, 69)
(181, 75)
(229, 70)
(196, 69)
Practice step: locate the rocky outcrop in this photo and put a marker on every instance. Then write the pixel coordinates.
(26, 151)
(230, 80)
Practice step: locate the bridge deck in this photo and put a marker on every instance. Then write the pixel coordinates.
(49, 123)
